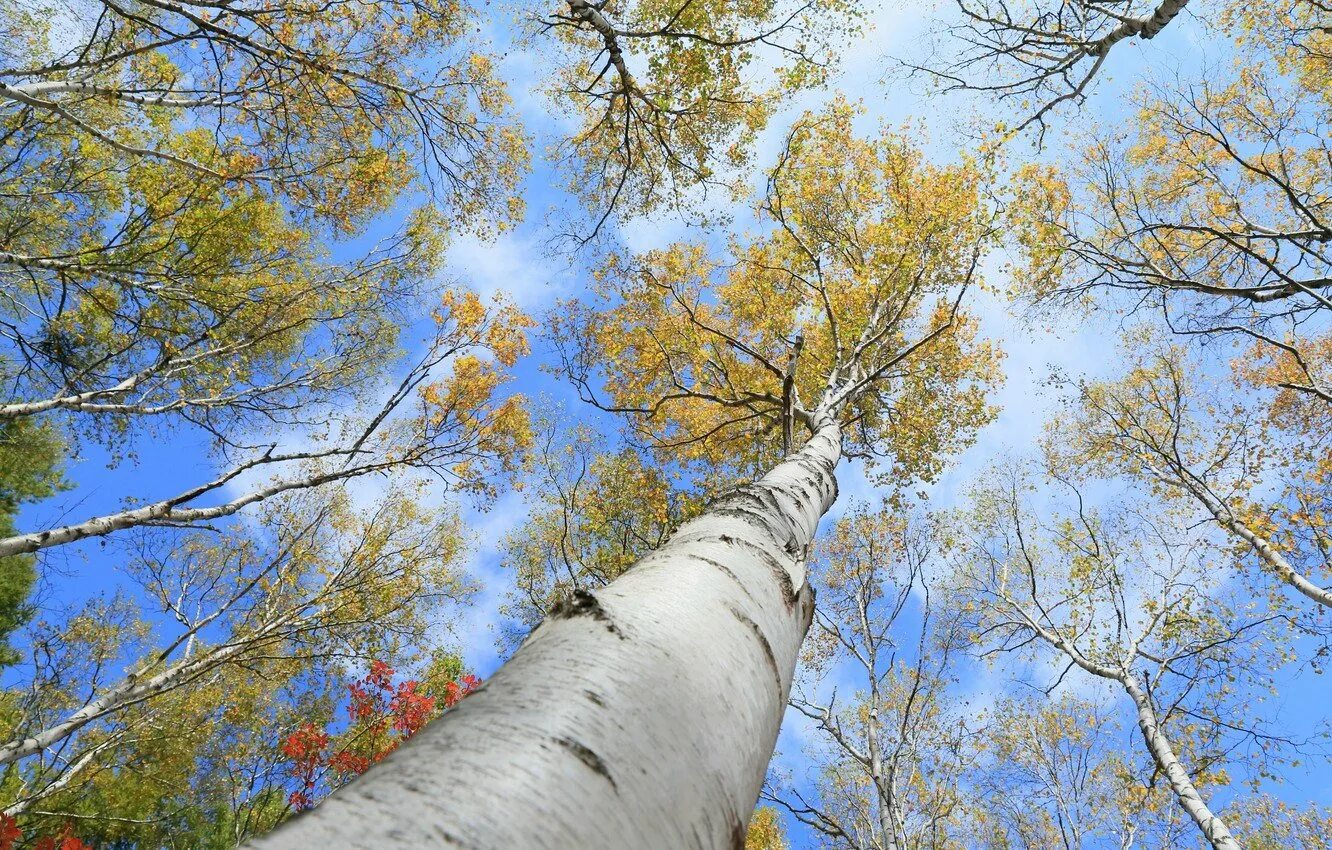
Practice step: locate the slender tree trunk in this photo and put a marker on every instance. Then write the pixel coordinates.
(1213, 828)
(1264, 549)
(1145, 27)
(172, 511)
(139, 687)
(887, 822)
(882, 784)
(642, 716)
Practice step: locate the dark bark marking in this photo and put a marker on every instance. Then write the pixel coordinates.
(589, 758)
(757, 502)
(767, 648)
(752, 516)
(595, 699)
(739, 832)
(807, 601)
(820, 470)
(793, 547)
(584, 603)
(712, 562)
(774, 564)
(449, 838)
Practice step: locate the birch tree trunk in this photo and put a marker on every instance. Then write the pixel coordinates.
(1266, 552)
(1218, 835)
(642, 716)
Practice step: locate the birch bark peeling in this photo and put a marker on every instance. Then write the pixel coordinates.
(641, 716)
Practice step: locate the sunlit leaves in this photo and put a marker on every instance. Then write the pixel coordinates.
(482, 430)
(670, 94)
(592, 513)
(334, 109)
(765, 831)
(865, 253)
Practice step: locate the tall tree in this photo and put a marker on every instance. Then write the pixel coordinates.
(171, 179)
(1127, 595)
(888, 771)
(1048, 773)
(334, 585)
(1260, 478)
(326, 106)
(916, 756)
(645, 713)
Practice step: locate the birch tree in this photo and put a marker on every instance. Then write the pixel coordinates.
(1124, 596)
(912, 757)
(889, 770)
(172, 176)
(1211, 211)
(1264, 486)
(1039, 55)
(460, 428)
(644, 713)
(1211, 207)
(669, 95)
(334, 585)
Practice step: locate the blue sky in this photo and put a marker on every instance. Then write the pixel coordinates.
(524, 265)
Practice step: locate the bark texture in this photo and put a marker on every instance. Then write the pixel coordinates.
(642, 716)
(1218, 835)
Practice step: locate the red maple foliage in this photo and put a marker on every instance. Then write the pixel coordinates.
(10, 834)
(454, 691)
(382, 716)
(305, 748)
(64, 841)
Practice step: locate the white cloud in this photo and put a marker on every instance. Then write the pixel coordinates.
(477, 626)
(514, 264)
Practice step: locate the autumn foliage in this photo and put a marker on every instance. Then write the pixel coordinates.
(381, 716)
(11, 835)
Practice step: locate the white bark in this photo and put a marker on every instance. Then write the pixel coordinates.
(137, 687)
(357, 461)
(172, 511)
(1268, 553)
(642, 716)
(1144, 27)
(1164, 755)
(162, 98)
(1183, 477)
(16, 93)
(62, 779)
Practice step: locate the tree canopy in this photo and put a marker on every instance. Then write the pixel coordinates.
(914, 422)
